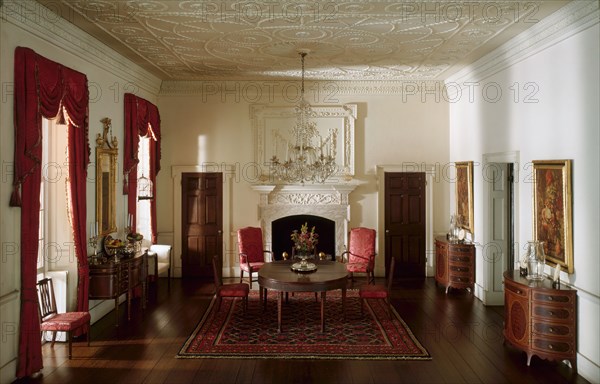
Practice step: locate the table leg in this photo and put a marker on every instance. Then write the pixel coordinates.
(279, 300)
(323, 295)
(260, 295)
(117, 310)
(344, 303)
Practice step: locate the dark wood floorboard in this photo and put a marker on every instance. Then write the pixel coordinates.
(463, 336)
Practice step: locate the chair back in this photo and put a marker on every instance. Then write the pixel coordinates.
(362, 245)
(390, 280)
(250, 243)
(216, 274)
(163, 253)
(46, 299)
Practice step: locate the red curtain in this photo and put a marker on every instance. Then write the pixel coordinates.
(141, 119)
(42, 89)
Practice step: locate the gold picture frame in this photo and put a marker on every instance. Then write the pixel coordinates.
(552, 202)
(464, 194)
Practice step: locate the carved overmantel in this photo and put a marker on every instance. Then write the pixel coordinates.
(325, 200)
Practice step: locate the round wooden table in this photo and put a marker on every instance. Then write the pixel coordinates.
(279, 277)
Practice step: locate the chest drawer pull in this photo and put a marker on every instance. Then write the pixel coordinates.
(550, 346)
(550, 330)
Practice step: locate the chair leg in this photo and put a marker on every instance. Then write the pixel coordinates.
(362, 306)
(218, 303)
(70, 344)
(53, 338)
(88, 334)
(241, 275)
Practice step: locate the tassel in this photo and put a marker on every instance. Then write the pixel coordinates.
(61, 118)
(125, 186)
(15, 197)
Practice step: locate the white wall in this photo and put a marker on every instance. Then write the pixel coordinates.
(215, 127)
(25, 23)
(560, 120)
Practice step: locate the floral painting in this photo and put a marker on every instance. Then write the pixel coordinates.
(552, 210)
(464, 194)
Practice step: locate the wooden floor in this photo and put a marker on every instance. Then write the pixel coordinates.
(463, 336)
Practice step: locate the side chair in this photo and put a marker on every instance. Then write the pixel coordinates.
(240, 290)
(378, 291)
(52, 321)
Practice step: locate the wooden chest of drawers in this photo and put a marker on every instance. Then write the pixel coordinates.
(539, 319)
(455, 264)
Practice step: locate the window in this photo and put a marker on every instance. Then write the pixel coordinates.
(55, 238)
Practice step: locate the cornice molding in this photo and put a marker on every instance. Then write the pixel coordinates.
(48, 26)
(564, 23)
(322, 90)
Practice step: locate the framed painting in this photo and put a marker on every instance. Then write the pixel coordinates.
(552, 201)
(464, 194)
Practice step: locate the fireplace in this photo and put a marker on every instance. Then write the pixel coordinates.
(282, 228)
(327, 204)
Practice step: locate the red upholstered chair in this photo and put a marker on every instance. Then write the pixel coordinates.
(360, 256)
(52, 321)
(252, 252)
(378, 291)
(240, 290)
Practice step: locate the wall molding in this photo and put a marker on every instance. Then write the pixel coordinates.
(48, 26)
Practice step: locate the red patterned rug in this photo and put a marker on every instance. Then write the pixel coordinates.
(229, 333)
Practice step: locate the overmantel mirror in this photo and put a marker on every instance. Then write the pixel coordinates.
(106, 179)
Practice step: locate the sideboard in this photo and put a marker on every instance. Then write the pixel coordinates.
(110, 280)
(539, 319)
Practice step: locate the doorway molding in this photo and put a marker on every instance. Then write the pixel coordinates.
(228, 171)
(429, 171)
(492, 270)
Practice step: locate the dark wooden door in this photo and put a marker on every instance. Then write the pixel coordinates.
(405, 223)
(202, 222)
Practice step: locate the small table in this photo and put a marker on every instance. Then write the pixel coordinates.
(278, 276)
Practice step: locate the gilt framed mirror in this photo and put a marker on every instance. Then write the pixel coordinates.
(106, 179)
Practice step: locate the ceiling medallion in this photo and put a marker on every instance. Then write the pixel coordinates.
(311, 158)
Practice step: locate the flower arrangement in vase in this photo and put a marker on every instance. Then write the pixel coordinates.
(304, 240)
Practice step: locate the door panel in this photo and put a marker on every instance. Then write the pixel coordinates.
(496, 251)
(405, 222)
(202, 215)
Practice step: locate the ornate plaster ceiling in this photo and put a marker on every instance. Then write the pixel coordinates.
(346, 40)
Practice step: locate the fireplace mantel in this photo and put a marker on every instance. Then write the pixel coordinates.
(325, 200)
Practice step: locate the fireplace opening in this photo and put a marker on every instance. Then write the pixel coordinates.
(282, 229)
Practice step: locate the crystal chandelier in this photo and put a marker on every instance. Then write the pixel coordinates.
(311, 158)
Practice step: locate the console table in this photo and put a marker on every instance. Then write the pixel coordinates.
(110, 280)
(454, 264)
(539, 319)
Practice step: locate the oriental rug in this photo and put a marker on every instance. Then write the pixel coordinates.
(229, 333)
